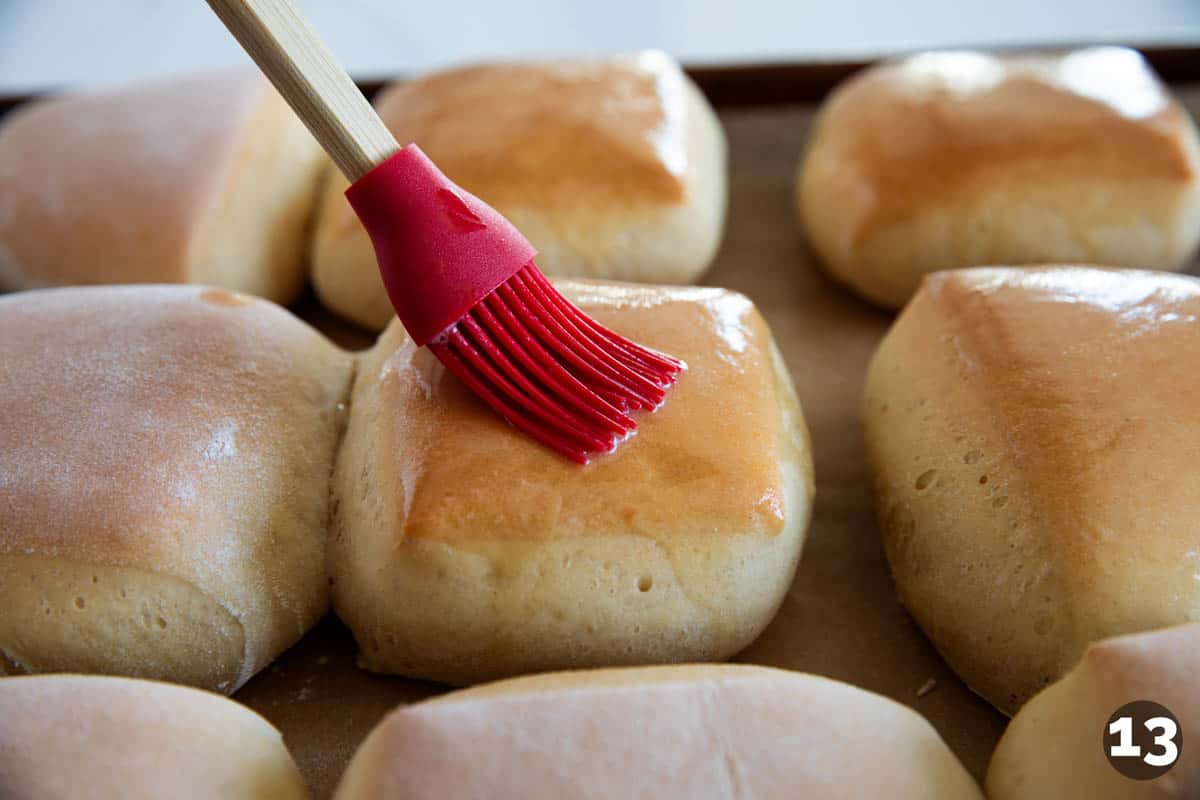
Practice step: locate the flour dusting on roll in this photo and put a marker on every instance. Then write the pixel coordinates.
(65, 737)
(164, 478)
(203, 179)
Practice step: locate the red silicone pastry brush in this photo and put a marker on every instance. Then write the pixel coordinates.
(460, 276)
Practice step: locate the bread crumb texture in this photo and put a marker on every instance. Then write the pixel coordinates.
(1032, 440)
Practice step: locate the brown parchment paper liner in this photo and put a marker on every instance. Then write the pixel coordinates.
(841, 617)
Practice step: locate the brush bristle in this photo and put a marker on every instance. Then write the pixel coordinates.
(552, 371)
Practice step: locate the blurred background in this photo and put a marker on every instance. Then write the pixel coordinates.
(46, 43)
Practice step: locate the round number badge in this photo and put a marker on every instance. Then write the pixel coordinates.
(1142, 740)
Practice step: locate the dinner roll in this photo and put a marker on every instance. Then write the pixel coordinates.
(464, 551)
(962, 159)
(164, 471)
(66, 737)
(696, 731)
(1032, 438)
(1052, 749)
(205, 179)
(613, 167)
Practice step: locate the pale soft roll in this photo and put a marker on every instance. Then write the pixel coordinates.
(613, 167)
(207, 179)
(1052, 749)
(67, 737)
(164, 472)
(961, 159)
(695, 731)
(1032, 438)
(463, 551)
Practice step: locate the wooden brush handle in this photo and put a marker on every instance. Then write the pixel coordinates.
(312, 82)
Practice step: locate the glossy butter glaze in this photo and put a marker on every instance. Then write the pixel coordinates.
(708, 460)
(1094, 373)
(1033, 442)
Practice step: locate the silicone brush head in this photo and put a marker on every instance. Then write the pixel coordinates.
(463, 282)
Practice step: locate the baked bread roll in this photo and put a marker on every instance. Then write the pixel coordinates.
(206, 179)
(164, 472)
(1052, 748)
(962, 159)
(463, 551)
(66, 737)
(696, 731)
(1032, 438)
(613, 167)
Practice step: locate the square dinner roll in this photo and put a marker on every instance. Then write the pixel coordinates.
(68, 737)
(1053, 749)
(463, 551)
(613, 167)
(1033, 441)
(962, 159)
(164, 473)
(694, 731)
(207, 179)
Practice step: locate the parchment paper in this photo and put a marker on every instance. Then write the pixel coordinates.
(841, 617)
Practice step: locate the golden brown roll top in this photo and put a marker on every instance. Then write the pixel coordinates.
(613, 167)
(164, 462)
(960, 159)
(65, 737)
(695, 731)
(206, 178)
(464, 551)
(608, 128)
(709, 459)
(1032, 439)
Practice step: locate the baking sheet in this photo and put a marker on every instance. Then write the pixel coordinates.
(841, 617)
